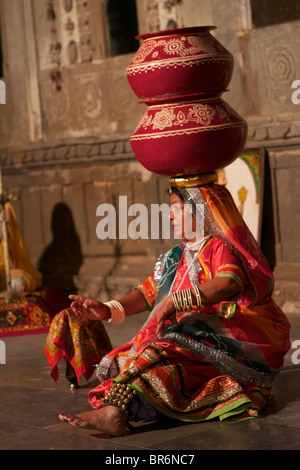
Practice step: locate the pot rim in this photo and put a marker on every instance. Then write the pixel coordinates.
(176, 31)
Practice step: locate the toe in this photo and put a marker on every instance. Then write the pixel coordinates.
(74, 420)
(65, 417)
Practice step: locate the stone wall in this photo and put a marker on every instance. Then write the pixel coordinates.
(56, 194)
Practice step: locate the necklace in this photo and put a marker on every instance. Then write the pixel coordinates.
(190, 260)
(192, 245)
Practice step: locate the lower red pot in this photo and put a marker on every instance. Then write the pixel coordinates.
(187, 138)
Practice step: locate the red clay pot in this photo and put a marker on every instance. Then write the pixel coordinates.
(179, 62)
(189, 137)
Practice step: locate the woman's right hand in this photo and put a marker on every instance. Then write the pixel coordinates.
(91, 309)
(167, 312)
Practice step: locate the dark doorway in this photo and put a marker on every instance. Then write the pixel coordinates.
(123, 26)
(270, 12)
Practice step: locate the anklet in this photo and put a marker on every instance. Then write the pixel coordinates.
(121, 395)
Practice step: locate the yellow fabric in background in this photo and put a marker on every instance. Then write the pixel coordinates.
(20, 263)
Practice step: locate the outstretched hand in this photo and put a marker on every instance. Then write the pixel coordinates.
(88, 308)
(167, 312)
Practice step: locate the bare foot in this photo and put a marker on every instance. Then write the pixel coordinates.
(109, 420)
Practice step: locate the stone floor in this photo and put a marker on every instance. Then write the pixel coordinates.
(30, 403)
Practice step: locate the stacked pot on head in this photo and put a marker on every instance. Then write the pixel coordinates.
(188, 128)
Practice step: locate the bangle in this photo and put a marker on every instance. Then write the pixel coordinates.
(117, 312)
(198, 296)
(184, 300)
(176, 304)
(190, 298)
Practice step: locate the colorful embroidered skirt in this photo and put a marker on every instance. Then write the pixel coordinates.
(185, 387)
(211, 369)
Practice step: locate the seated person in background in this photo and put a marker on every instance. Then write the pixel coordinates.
(24, 276)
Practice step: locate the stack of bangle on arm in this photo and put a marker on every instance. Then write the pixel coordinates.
(183, 300)
(117, 312)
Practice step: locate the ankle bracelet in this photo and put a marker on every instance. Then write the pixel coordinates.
(121, 395)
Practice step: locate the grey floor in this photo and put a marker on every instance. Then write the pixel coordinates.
(30, 402)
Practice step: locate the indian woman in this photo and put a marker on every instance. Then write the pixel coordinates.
(214, 339)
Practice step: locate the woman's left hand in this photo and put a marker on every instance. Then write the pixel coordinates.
(167, 312)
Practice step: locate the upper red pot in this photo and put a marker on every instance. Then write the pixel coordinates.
(179, 62)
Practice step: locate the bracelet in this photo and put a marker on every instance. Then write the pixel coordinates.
(117, 312)
(176, 304)
(198, 296)
(183, 300)
(190, 298)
